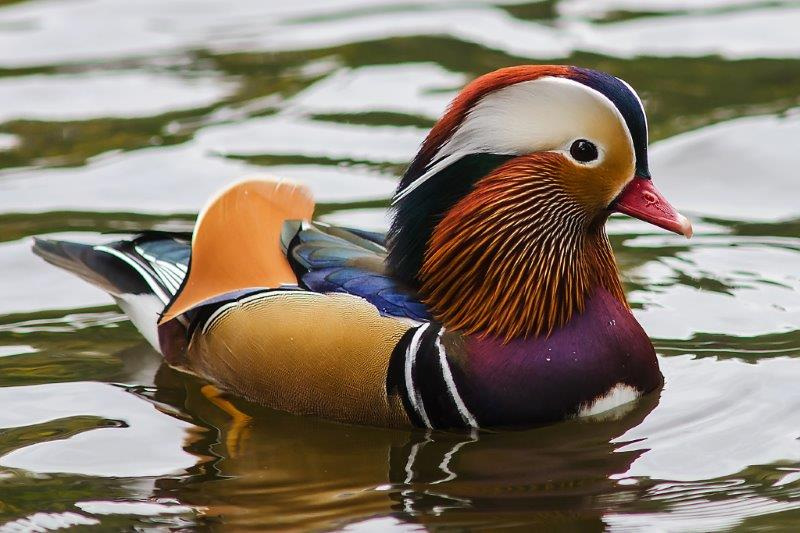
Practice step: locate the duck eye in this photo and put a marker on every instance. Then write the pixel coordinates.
(583, 151)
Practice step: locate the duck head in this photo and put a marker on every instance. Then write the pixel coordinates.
(499, 221)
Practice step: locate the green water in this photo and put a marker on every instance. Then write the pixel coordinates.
(116, 116)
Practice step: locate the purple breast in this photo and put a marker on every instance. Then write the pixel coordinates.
(538, 380)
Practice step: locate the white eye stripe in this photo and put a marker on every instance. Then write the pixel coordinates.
(537, 115)
(546, 114)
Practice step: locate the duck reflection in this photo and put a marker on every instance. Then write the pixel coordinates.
(274, 470)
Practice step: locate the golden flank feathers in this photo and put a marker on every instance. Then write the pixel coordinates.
(264, 348)
(518, 255)
(236, 241)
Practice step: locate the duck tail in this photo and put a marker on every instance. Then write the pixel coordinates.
(159, 276)
(99, 269)
(141, 274)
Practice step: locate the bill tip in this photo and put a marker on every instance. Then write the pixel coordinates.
(686, 226)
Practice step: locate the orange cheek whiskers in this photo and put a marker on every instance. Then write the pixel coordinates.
(516, 256)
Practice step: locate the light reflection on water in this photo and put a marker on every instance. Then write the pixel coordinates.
(116, 116)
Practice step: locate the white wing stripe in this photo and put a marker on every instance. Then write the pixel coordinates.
(136, 266)
(169, 271)
(165, 277)
(171, 274)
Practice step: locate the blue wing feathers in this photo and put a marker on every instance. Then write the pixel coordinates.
(380, 291)
(335, 259)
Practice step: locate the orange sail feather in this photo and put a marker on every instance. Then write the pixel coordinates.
(236, 241)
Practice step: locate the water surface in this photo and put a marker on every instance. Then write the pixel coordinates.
(117, 116)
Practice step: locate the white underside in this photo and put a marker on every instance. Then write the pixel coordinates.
(143, 310)
(620, 394)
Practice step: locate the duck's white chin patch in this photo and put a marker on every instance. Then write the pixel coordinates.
(620, 394)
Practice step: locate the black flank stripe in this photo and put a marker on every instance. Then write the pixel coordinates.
(429, 380)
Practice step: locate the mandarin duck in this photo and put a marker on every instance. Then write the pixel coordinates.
(493, 300)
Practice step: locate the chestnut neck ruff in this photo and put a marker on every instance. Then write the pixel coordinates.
(516, 256)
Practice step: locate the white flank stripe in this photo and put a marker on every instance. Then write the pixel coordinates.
(136, 266)
(451, 384)
(217, 315)
(411, 355)
(248, 300)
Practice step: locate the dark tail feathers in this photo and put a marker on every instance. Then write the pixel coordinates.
(99, 268)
